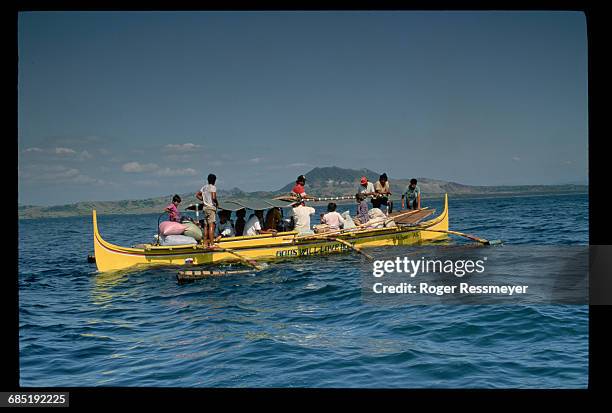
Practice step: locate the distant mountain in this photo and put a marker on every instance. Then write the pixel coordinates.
(332, 178)
(324, 181)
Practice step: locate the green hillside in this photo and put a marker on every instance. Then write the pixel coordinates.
(322, 181)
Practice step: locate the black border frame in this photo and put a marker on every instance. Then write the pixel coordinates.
(599, 316)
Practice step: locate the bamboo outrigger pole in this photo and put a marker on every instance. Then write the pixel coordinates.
(461, 234)
(242, 258)
(192, 275)
(353, 247)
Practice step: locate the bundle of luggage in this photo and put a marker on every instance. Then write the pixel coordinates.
(175, 233)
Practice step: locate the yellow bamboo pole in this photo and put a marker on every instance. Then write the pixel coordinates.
(353, 247)
(242, 258)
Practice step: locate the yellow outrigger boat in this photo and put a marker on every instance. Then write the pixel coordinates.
(265, 247)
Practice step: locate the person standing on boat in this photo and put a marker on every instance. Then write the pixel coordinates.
(301, 217)
(412, 195)
(208, 196)
(298, 189)
(173, 213)
(383, 192)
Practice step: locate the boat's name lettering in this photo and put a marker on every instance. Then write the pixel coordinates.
(304, 251)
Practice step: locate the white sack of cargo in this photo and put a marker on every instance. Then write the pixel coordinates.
(377, 218)
(348, 220)
(177, 240)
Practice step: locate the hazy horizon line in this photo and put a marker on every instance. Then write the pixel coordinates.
(235, 187)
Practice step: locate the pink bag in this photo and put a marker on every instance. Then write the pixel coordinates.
(171, 228)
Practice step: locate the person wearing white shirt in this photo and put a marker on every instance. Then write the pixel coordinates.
(366, 188)
(208, 196)
(253, 225)
(332, 218)
(301, 216)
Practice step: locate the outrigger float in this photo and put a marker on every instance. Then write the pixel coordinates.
(410, 229)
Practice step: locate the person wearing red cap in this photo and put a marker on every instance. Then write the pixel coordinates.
(366, 188)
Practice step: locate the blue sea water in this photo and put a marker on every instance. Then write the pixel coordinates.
(299, 323)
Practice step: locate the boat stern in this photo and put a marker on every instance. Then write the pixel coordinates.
(440, 223)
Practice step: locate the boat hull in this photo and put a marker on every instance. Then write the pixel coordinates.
(110, 257)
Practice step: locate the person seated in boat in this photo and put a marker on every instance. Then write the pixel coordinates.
(412, 196)
(362, 209)
(333, 219)
(383, 192)
(273, 218)
(287, 221)
(225, 227)
(208, 196)
(301, 217)
(240, 221)
(253, 225)
(366, 188)
(173, 213)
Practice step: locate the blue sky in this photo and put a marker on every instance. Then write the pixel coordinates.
(127, 105)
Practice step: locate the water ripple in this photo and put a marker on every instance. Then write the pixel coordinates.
(299, 323)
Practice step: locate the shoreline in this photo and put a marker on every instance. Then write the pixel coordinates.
(436, 196)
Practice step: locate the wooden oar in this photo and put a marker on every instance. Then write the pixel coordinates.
(461, 234)
(353, 247)
(242, 258)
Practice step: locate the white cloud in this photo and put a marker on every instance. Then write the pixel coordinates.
(177, 172)
(70, 173)
(255, 160)
(57, 174)
(516, 158)
(64, 151)
(41, 173)
(84, 155)
(182, 147)
(84, 179)
(135, 167)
